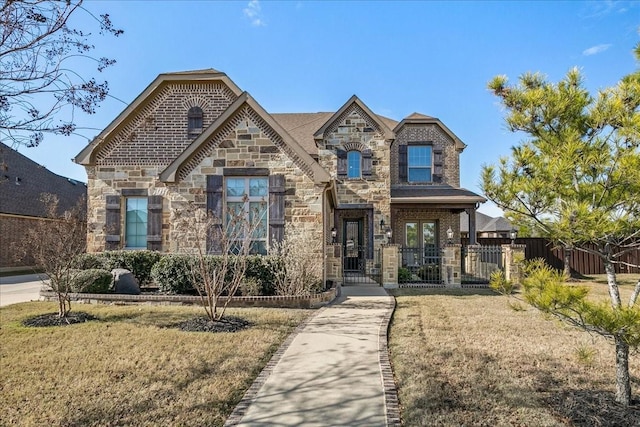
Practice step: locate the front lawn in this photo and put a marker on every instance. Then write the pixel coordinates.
(464, 357)
(127, 368)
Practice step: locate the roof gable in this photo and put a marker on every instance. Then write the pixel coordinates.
(87, 155)
(355, 103)
(224, 124)
(417, 118)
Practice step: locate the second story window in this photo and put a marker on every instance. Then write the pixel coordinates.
(194, 117)
(419, 163)
(354, 163)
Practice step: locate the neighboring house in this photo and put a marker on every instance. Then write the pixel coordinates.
(22, 181)
(195, 136)
(486, 226)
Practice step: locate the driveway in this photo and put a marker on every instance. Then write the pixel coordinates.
(14, 289)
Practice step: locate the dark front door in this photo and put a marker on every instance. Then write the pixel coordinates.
(353, 245)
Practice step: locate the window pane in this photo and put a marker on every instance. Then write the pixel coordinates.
(258, 187)
(258, 217)
(235, 187)
(353, 164)
(419, 155)
(419, 174)
(428, 233)
(411, 234)
(136, 223)
(235, 219)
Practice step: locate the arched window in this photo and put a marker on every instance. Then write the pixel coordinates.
(354, 164)
(194, 117)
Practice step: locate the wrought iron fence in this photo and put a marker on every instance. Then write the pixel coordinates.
(357, 269)
(478, 262)
(420, 265)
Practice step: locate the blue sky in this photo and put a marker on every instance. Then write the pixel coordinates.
(398, 57)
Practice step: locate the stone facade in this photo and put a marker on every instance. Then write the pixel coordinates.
(150, 151)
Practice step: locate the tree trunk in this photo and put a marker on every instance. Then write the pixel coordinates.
(614, 292)
(567, 262)
(634, 295)
(623, 384)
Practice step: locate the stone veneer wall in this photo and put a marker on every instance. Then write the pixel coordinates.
(432, 133)
(248, 145)
(355, 130)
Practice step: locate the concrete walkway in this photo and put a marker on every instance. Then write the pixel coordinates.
(332, 372)
(14, 289)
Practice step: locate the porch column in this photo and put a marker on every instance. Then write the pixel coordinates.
(451, 263)
(513, 258)
(333, 263)
(390, 262)
(473, 236)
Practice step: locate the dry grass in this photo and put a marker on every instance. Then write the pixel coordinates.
(466, 358)
(127, 369)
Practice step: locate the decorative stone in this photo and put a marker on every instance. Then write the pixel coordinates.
(125, 282)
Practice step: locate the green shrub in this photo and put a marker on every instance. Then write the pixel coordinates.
(404, 275)
(172, 274)
(250, 287)
(261, 269)
(91, 281)
(90, 261)
(139, 263)
(499, 283)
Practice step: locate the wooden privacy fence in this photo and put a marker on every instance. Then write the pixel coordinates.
(581, 262)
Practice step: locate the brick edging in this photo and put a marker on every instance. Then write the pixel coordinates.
(252, 392)
(392, 405)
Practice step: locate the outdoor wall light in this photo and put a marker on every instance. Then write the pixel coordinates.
(389, 234)
(334, 233)
(382, 225)
(513, 234)
(449, 234)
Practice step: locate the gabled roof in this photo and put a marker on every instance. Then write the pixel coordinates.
(301, 127)
(23, 181)
(417, 118)
(318, 174)
(485, 223)
(387, 132)
(209, 74)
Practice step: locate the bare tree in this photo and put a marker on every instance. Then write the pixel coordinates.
(231, 241)
(54, 243)
(298, 271)
(39, 52)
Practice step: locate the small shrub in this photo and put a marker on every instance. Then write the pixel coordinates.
(261, 268)
(139, 263)
(91, 281)
(90, 261)
(250, 287)
(585, 354)
(404, 275)
(499, 283)
(172, 274)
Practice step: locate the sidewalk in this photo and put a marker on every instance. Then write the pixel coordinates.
(334, 372)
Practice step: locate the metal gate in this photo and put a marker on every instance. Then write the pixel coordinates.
(420, 265)
(478, 262)
(357, 265)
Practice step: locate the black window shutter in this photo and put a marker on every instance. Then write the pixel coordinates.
(402, 163)
(342, 163)
(112, 223)
(437, 165)
(154, 223)
(214, 208)
(276, 208)
(366, 163)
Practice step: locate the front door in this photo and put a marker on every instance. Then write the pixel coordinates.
(353, 247)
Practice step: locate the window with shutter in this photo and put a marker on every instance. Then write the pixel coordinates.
(214, 207)
(154, 224)
(136, 223)
(402, 163)
(437, 164)
(354, 164)
(194, 121)
(342, 163)
(367, 164)
(276, 208)
(112, 223)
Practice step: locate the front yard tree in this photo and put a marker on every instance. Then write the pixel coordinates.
(40, 53)
(576, 176)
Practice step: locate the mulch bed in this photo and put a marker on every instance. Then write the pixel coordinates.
(594, 408)
(203, 324)
(52, 319)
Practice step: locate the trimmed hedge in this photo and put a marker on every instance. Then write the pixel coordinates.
(172, 274)
(91, 281)
(139, 263)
